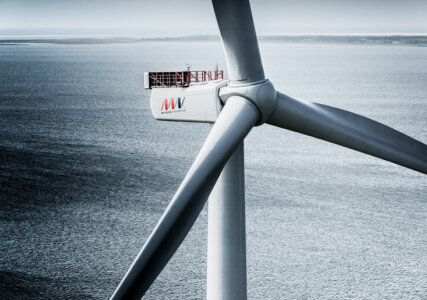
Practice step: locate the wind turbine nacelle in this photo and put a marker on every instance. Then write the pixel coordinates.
(197, 103)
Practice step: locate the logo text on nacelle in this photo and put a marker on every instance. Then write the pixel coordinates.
(172, 105)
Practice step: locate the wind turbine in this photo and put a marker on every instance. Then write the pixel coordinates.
(249, 100)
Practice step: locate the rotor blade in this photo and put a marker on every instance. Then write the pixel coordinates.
(233, 124)
(239, 39)
(349, 130)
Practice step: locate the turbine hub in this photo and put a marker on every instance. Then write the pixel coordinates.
(261, 94)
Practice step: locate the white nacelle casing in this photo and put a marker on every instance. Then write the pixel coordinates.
(198, 103)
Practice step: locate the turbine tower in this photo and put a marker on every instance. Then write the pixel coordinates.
(248, 99)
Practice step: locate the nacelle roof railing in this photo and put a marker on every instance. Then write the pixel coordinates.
(181, 78)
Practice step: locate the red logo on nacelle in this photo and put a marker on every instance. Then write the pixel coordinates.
(172, 104)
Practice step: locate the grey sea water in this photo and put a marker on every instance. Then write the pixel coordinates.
(86, 172)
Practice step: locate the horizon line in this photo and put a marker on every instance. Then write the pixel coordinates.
(208, 35)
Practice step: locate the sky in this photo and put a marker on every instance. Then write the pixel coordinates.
(160, 18)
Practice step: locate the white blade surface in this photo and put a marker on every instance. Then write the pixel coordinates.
(239, 40)
(233, 124)
(349, 130)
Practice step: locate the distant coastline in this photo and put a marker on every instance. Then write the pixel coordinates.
(408, 40)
